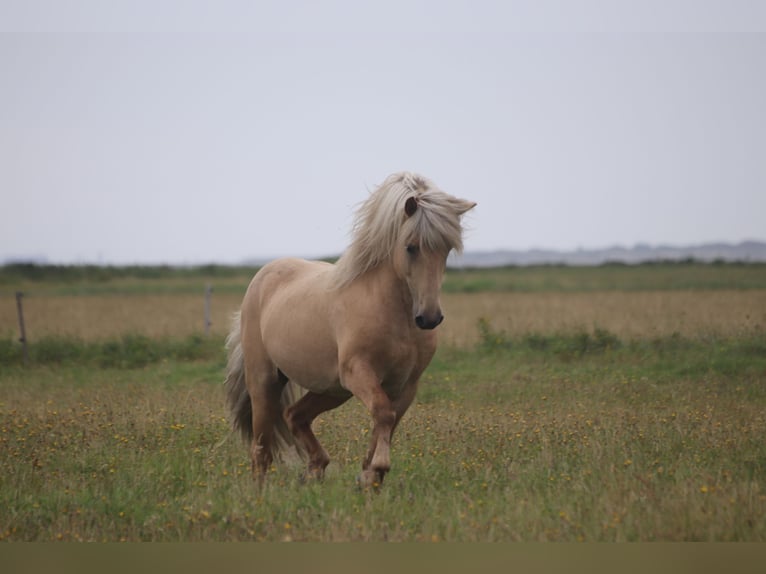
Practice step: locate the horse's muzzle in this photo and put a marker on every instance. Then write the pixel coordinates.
(430, 323)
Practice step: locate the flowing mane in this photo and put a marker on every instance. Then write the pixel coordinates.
(380, 221)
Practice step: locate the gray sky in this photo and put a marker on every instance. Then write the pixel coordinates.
(189, 132)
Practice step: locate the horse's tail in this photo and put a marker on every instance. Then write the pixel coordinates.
(284, 447)
(237, 397)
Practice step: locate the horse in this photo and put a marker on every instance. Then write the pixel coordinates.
(310, 334)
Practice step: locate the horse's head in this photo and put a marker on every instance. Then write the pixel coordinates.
(421, 260)
(408, 223)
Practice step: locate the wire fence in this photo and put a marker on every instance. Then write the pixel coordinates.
(90, 312)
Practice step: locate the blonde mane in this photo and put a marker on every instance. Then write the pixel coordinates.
(380, 222)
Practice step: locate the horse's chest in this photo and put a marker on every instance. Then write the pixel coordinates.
(404, 365)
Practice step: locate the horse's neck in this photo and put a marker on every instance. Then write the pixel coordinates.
(384, 287)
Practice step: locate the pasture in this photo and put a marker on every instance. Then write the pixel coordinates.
(564, 404)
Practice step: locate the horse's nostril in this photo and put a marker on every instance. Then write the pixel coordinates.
(424, 323)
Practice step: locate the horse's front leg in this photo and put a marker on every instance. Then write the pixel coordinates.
(362, 381)
(400, 406)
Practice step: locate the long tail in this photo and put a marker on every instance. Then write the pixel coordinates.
(237, 397)
(285, 447)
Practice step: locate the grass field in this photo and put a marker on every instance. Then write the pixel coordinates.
(579, 409)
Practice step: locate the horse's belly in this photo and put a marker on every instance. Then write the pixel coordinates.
(303, 348)
(310, 372)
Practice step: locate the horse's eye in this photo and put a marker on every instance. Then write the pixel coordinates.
(412, 249)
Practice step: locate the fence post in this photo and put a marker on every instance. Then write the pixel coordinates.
(208, 294)
(22, 328)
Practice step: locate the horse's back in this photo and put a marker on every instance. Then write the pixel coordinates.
(281, 277)
(288, 269)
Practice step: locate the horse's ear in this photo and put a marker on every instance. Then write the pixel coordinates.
(410, 206)
(463, 206)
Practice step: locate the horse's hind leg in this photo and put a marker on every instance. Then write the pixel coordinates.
(299, 417)
(264, 386)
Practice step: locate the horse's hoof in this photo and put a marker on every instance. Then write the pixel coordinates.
(312, 475)
(369, 480)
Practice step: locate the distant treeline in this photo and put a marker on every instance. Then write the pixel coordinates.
(94, 273)
(44, 272)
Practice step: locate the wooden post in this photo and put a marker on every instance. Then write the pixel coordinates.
(22, 329)
(208, 294)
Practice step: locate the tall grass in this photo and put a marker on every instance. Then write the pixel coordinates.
(95, 317)
(628, 315)
(129, 351)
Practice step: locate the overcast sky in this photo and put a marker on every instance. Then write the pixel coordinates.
(190, 132)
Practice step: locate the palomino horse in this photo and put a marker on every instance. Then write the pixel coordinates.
(362, 327)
